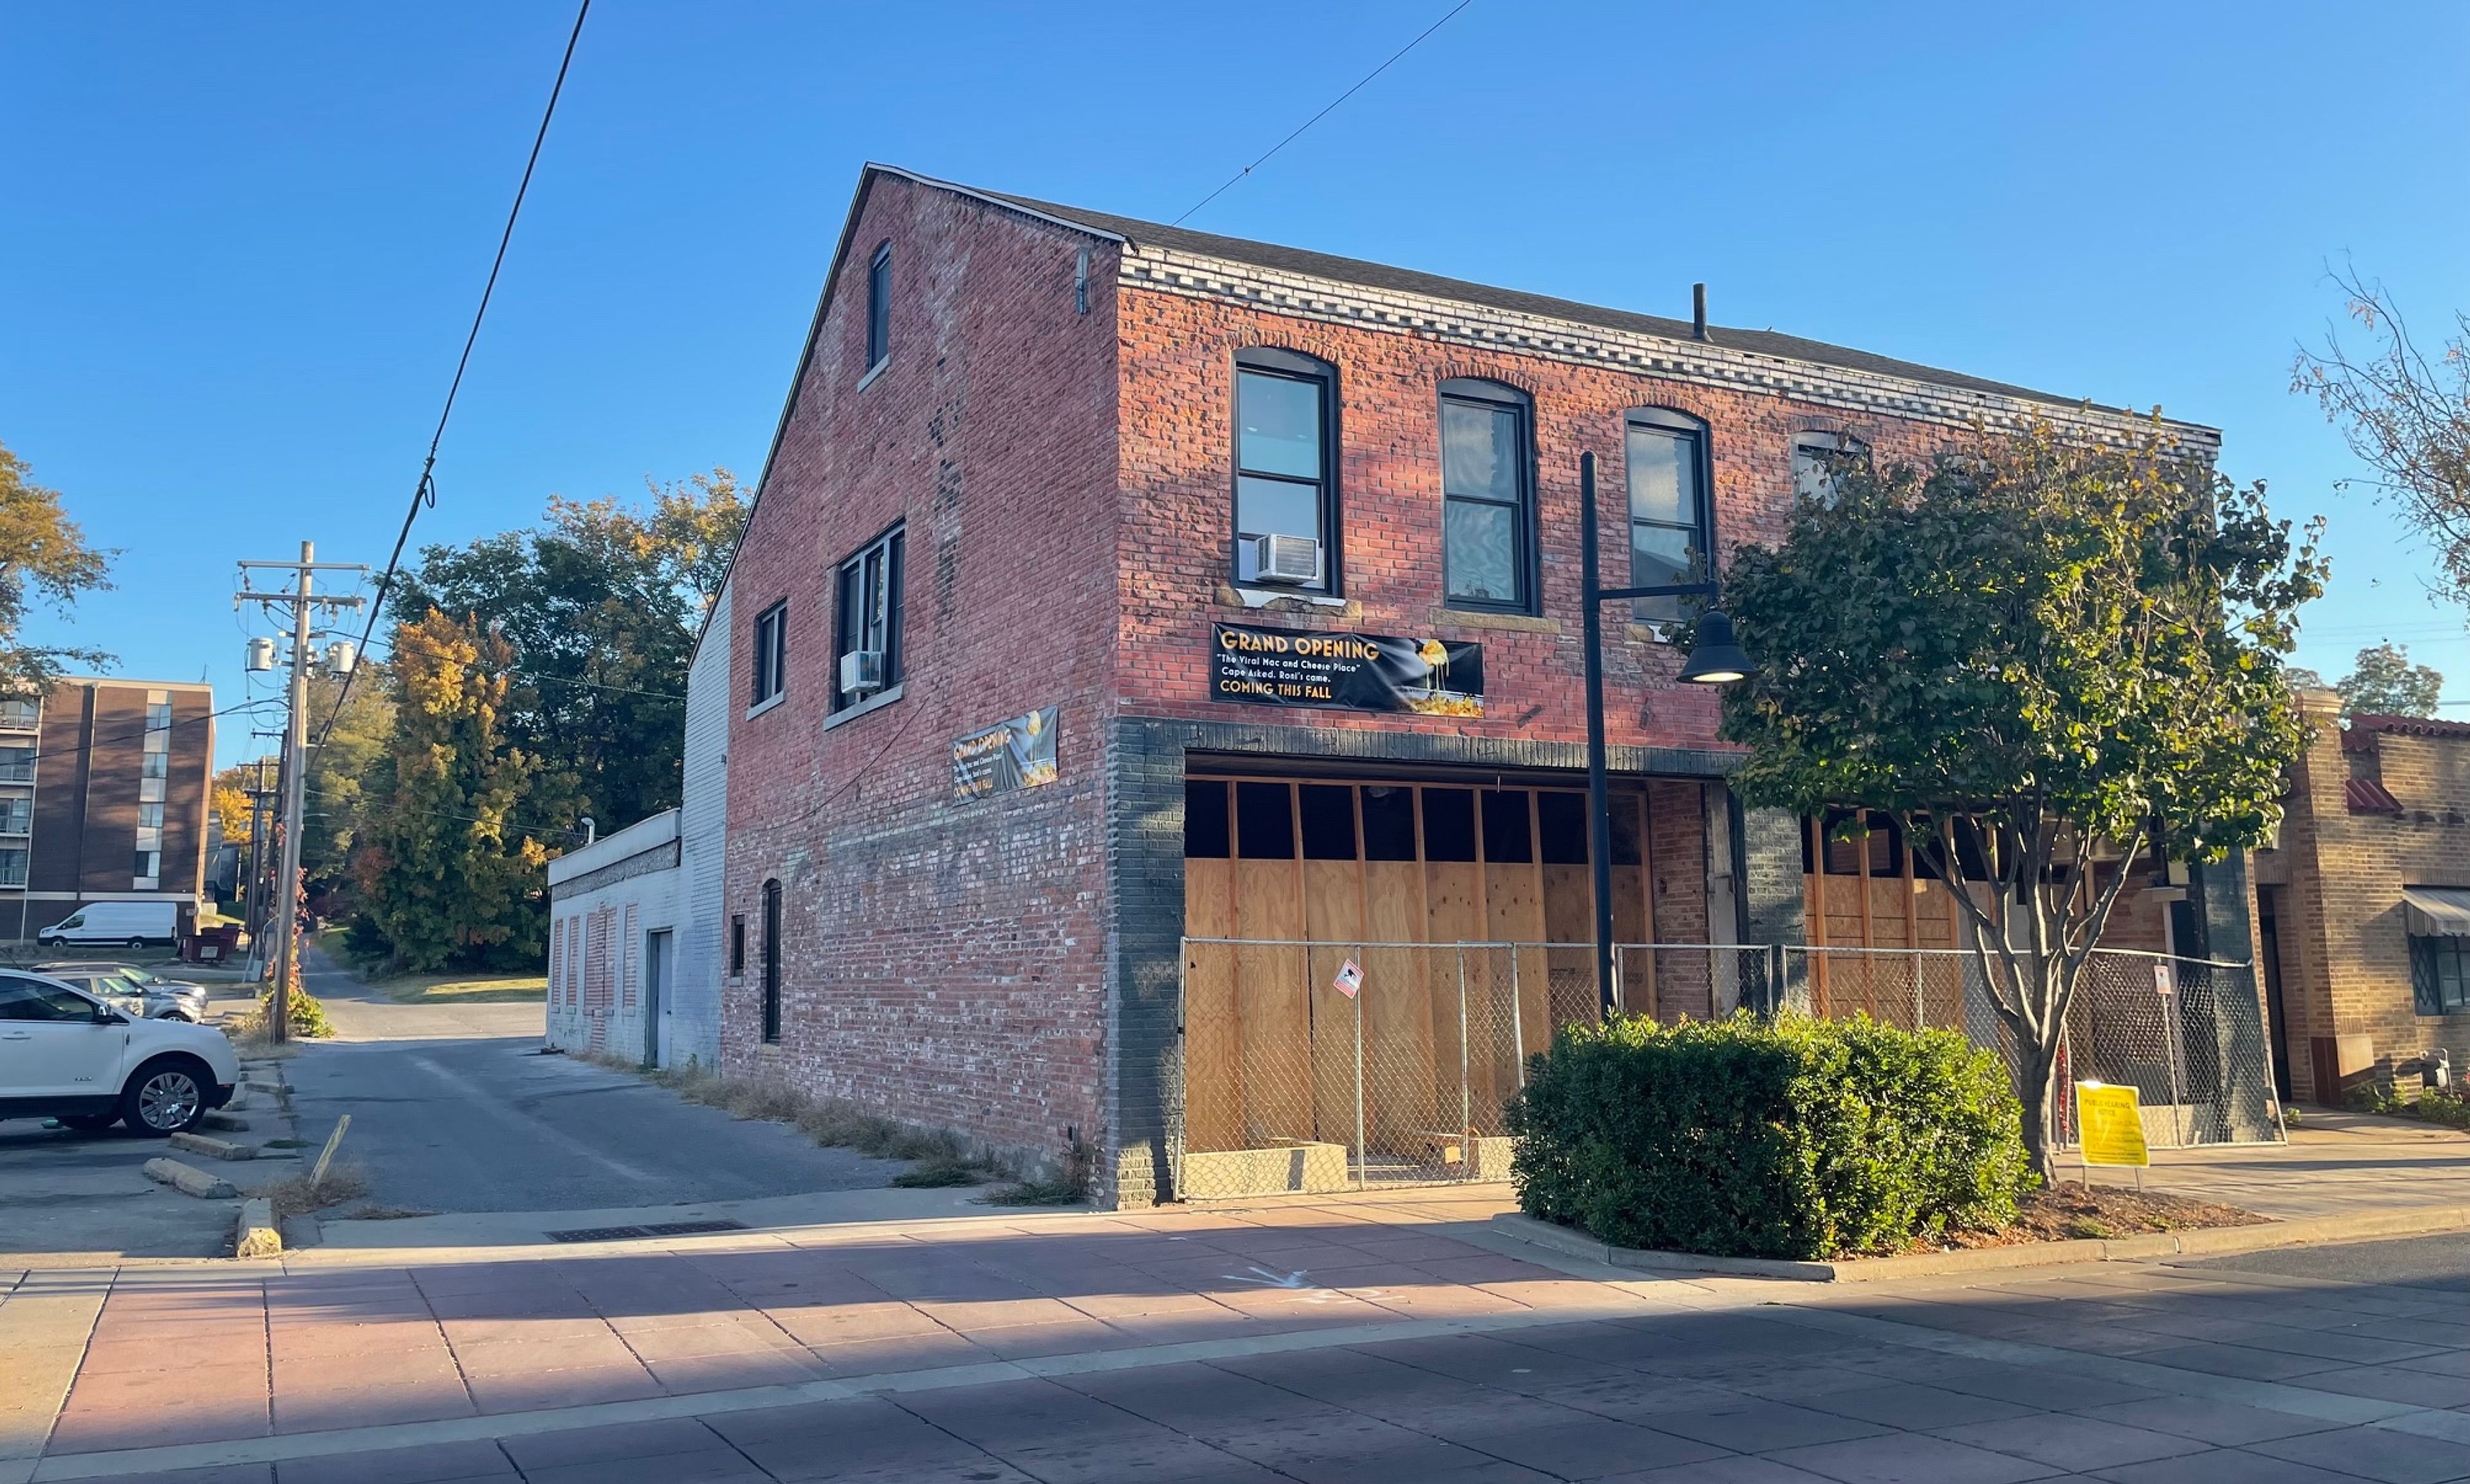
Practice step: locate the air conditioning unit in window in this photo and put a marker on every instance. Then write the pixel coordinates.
(1289, 560)
(862, 672)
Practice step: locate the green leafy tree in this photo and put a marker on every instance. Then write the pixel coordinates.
(600, 605)
(2383, 682)
(2042, 659)
(356, 739)
(43, 557)
(447, 872)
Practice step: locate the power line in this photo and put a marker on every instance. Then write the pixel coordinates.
(1324, 112)
(424, 494)
(42, 752)
(562, 680)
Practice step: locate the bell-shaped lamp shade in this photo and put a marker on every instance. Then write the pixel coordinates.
(1716, 659)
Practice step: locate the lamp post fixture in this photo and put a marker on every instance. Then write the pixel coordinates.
(1715, 660)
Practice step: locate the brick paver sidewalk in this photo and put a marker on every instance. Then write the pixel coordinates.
(209, 1353)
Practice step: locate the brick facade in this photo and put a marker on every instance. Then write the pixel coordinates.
(1053, 430)
(2333, 886)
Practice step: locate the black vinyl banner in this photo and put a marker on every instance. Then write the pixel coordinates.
(1352, 672)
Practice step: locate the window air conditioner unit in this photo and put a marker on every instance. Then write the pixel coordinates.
(1291, 561)
(862, 672)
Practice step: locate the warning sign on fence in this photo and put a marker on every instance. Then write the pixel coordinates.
(1350, 979)
(2114, 1127)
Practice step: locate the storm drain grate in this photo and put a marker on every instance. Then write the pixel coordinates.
(657, 1229)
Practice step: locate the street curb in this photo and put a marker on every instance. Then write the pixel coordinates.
(2203, 1242)
(212, 1148)
(189, 1179)
(256, 1235)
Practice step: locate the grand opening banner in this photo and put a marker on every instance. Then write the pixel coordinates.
(1005, 757)
(1351, 672)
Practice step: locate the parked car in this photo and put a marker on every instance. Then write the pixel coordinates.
(67, 1054)
(135, 924)
(132, 989)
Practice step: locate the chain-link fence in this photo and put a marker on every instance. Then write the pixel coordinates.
(2188, 1034)
(1319, 1066)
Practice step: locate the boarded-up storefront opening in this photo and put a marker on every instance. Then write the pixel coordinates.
(1466, 909)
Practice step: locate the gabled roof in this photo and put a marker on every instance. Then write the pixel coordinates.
(1137, 233)
(1432, 286)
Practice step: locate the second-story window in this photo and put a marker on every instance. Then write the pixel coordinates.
(771, 653)
(1670, 532)
(1286, 453)
(1487, 497)
(867, 653)
(1815, 456)
(878, 307)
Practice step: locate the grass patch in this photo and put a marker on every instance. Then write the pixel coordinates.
(295, 1195)
(939, 1174)
(830, 1122)
(1035, 1192)
(371, 1210)
(287, 1144)
(464, 989)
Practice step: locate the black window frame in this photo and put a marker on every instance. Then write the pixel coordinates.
(848, 588)
(770, 677)
(771, 948)
(737, 946)
(1672, 422)
(1295, 366)
(1495, 397)
(878, 308)
(2426, 953)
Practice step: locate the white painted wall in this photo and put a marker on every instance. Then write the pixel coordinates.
(608, 978)
(692, 1029)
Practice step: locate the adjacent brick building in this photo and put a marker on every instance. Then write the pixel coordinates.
(1023, 476)
(103, 788)
(2364, 904)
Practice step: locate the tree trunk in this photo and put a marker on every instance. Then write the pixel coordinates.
(2038, 1089)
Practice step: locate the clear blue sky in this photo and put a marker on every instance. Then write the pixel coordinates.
(243, 241)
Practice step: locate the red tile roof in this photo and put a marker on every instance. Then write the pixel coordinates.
(2367, 796)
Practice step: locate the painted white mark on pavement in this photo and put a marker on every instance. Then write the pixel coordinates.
(1267, 1277)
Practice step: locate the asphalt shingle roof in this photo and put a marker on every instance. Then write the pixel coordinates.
(1383, 276)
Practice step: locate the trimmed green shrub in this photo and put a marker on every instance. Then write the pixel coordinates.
(1794, 1138)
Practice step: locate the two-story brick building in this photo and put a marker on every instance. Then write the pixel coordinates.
(1111, 584)
(2364, 904)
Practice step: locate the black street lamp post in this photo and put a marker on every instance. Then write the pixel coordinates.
(1715, 660)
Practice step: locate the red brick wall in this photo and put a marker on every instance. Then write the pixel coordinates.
(1177, 442)
(942, 962)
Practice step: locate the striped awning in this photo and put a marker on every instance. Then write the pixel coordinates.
(2437, 912)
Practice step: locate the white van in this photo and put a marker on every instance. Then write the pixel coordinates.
(134, 924)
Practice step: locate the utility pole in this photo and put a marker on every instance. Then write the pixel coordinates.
(304, 605)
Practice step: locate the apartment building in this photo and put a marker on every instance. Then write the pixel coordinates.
(1116, 592)
(104, 796)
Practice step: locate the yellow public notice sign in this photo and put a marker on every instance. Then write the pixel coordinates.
(2113, 1130)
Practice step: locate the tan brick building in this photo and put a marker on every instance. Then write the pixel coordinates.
(2364, 905)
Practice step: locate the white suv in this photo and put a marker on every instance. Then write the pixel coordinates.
(68, 1056)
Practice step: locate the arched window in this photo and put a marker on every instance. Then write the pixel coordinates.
(1672, 507)
(1814, 457)
(1286, 470)
(1487, 496)
(771, 961)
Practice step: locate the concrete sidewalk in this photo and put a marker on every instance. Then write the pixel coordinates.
(2335, 1164)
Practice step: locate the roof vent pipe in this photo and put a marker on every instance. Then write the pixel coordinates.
(1698, 312)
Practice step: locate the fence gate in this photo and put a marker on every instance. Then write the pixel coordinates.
(1320, 1066)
